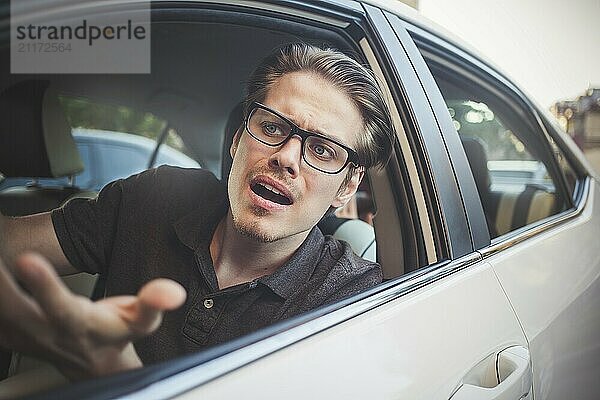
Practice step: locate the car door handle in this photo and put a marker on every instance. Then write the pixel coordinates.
(501, 376)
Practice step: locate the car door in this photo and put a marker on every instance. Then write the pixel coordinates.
(544, 224)
(439, 331)
(439, 327)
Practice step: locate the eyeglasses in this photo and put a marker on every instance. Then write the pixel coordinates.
(322, 153)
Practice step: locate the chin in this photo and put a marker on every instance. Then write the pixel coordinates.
(253, 230)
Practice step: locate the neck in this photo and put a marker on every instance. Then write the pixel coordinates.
(238, 258)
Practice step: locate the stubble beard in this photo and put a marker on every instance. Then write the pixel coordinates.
(251, 229)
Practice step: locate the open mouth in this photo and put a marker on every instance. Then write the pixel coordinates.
(268, 192)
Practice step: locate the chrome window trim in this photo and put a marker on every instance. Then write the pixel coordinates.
(528, 231)
(201, 374)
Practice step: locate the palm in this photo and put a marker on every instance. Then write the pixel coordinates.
(80, 336)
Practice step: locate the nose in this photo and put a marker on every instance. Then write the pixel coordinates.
(288, 156)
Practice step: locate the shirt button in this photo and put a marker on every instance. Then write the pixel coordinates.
(208, 303)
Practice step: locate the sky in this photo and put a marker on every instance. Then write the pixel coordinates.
(550, 48)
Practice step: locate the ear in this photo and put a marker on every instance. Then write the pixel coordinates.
(235, 142)
(347, 191)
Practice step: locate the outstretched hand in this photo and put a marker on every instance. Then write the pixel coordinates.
(80, 337)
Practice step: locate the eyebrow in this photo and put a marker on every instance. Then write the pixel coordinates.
(317, 131)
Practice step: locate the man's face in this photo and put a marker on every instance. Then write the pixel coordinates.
(313, 104)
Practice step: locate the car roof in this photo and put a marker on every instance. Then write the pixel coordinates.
(414, 17)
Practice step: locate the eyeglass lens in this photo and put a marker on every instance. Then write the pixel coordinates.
(319, 152)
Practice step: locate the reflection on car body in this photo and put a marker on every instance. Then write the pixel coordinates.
(489, 252)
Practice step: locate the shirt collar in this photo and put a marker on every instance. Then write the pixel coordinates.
(196, 228)
(300, 267)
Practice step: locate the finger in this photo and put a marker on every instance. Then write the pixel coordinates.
(40, 278)
(162, 294)
(153, 298)
(19, 314)
(8, 289)
(12, 298)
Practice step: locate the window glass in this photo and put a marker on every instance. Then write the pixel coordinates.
(510, 160)
(566, 168)
(85, 113)
(511, 167)
(174, 152)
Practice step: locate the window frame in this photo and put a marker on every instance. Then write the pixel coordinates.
(448, 214)
(237, 353)
(432, 46)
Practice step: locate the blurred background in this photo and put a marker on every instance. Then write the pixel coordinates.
(550, 48)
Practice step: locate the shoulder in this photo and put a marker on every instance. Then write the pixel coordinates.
(343, 260)
(166, 183)
(171, 177)
(345, 273)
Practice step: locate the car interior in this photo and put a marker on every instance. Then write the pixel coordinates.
(200, 63)
(520, 201)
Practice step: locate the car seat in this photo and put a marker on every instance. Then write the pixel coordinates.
(357, 233)
(505, 211)
(477, 157)
(36, 142)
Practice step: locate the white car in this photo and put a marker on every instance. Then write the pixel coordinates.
(489, 292)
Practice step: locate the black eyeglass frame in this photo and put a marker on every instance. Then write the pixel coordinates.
(304, 134)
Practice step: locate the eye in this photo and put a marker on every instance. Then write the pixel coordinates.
(322, 151)
(272, 129)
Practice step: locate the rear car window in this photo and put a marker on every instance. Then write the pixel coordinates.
(513, 165)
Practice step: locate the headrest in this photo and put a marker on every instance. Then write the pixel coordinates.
(35, 136)
(475, 151)
(233, 123)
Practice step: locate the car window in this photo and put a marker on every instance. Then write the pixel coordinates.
(511, 167)
(567, 169)
(120, 141)
(117, 140)
(512, 162)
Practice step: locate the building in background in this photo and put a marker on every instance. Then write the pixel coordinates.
(580, 118)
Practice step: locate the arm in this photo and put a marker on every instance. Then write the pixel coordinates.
(32, 233)
(80, 337)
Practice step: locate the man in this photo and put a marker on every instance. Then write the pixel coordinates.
(247, 254)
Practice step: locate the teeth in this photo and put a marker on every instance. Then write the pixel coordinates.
(272, 189)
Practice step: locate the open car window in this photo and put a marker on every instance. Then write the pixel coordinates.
(200, 65)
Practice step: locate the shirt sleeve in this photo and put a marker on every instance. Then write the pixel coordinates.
(85, 228)
(117, 226)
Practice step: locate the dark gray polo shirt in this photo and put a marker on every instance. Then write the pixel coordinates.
(160, 224)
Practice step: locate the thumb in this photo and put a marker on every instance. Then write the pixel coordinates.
(153, 298)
